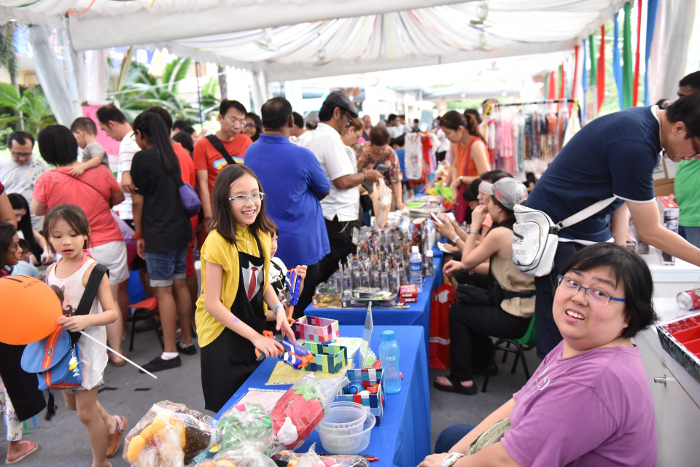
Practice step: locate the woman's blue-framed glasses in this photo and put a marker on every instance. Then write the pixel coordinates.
(596, 296)
(242, 199)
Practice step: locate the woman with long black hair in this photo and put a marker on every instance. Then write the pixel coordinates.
(162, 230)
(24, 225)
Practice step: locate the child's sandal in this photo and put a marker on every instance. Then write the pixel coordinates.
(115, 439)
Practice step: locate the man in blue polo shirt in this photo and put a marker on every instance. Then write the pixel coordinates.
(294, 183)
(613, 155)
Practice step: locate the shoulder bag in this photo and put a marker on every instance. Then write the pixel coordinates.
(56, 358)
(188, 197)
(220, 147)
(536, 236)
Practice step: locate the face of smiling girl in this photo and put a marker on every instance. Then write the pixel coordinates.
(246, 213)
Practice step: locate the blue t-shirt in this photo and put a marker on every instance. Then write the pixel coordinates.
(401, 154)
(292, 179)
(613, 155)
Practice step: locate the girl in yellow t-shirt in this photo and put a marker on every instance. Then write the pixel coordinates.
(231, 311)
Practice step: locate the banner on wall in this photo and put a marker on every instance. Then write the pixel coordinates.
(110, 145)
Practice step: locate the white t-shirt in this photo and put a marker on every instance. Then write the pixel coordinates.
(305, 139)
(21, 179)
(335, 162)
(127, 149)
(444, 142)
(393, 131)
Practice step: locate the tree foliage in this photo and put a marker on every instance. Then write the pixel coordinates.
(34, 108)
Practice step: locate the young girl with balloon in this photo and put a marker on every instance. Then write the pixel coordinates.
(66, 229)
(230, 313)
(20, 398)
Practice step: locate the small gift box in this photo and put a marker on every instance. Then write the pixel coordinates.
(681, 339)
(367, 378)
(313, 328)
(327, 358)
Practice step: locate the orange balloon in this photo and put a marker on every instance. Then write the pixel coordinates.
(29, 310)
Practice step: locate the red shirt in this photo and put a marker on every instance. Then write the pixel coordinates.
(56, 187)
(207, 157)
(186, 164)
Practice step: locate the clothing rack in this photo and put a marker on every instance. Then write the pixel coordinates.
(544, 102)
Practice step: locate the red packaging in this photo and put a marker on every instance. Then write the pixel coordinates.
(689, 300)
(408, 293)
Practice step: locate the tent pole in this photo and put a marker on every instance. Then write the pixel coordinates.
(199, 95)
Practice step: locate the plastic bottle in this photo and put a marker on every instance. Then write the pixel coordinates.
(416, 268)
(429, 267)
(389, 354)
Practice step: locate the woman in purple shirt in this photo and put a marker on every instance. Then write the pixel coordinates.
(589, 402)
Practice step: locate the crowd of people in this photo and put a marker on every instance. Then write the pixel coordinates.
(276, 194)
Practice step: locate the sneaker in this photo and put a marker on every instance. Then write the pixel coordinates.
(189, 350)
(158, 364)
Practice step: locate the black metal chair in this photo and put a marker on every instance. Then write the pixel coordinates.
(517, 347)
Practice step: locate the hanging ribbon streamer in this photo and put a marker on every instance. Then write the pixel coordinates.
(635, 88)
(562, 85)
(594, 75)
(552, 86)
(600, 83)
(617, 66)
(574, 81)
(652, 7)
(627, 71)
(545, 94)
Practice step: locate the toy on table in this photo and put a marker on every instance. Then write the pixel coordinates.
(294, 281)
(295, 356)
(302, 407)
(169, 434)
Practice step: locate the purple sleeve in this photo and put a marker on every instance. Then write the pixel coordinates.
(563, 422)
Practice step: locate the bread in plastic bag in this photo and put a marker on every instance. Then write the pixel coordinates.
(303, 406)
(169, 435)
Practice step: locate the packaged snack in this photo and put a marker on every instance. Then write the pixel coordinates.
(311, 459)
(256, 459)
(301, 408)
(245, 427)
(169, 435)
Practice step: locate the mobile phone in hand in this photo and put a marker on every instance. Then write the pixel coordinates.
(435, 218)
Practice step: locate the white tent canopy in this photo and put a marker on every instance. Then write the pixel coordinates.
(295, 39)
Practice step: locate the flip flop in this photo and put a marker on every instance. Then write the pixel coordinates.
(115, 439)
(456, 386)
(30, 450)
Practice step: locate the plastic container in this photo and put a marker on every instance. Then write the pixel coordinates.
(340, 442)
(429, 267)
(389, 354)
(344, 418)
(416, 262)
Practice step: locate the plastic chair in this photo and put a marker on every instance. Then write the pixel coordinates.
(143, 310)
(517, 347)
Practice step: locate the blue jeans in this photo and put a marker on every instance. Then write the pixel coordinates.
(451, 436)
(166, 266)
(692, 234)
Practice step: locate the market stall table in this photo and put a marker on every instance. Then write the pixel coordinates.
(670, 280)
(403, 438)
(417, 313)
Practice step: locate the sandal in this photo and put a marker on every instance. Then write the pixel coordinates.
(115, 439)
(31, 447)
(115, 362)
(456, 386)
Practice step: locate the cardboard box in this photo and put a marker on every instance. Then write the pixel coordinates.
(668, 214)
(366, 377)
(313, 328)
(408, 293)
(327, 358)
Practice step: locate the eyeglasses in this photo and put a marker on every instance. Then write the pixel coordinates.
(249, 125)
(21, 155)
(240, 122)
(242, 199)
(597, 297)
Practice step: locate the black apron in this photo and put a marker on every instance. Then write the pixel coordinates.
(230, 359)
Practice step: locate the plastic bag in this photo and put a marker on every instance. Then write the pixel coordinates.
(304, 404)
(169, 435)
(256, 459)
(245, 427)
(311, 459)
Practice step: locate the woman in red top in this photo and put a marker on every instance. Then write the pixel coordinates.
(95, 191)
(469, 156)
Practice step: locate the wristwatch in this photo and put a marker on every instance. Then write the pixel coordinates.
(471, 230)
(451, 459)
(455, 239)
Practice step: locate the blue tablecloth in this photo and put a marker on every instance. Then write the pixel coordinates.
(403, 438)
(416, 314)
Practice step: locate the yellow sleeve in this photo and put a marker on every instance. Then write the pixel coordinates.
(266, 244)
(218, 250)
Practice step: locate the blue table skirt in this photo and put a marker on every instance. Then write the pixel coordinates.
(416, 314)
(403, 438)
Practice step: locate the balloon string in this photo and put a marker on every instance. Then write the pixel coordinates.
(115, 352)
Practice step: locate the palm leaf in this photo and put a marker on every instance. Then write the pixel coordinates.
(9, 96)
(174, 72)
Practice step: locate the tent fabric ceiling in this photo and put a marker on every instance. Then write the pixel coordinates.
(331, 44)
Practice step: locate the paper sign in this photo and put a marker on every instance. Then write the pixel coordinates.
(110, 145)
(366, 336)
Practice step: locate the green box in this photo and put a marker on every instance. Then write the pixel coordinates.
(327, 358)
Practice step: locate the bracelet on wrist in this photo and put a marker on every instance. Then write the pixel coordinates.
(137, 236)
(274, 309)
(365, 174)
(455, 239)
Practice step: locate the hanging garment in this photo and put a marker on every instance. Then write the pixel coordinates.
(413, 158)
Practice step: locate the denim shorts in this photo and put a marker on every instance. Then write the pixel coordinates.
(166, 266)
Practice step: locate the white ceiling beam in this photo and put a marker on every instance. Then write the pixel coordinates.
(141, 27)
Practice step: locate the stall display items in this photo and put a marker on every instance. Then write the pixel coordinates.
(327, 358)
(294, 355)
(689, 300)
(681, 339)
(346, 428)
(294, 281)
(313, 328)
(302, 407)
(288, 458)
(228, 460)
(669, 211)
(373, 394)
(169, 434)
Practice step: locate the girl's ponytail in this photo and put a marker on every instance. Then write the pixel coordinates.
(472, 126)
(152, 126)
